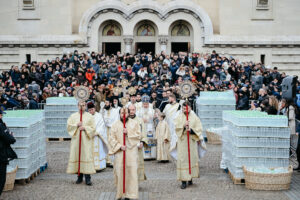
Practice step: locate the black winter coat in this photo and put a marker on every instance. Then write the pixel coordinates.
(6, 139)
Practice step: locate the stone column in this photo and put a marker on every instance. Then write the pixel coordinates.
(163, 41)
(128, 40)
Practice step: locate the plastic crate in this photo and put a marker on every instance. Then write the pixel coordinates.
(260, 142)
(22, 142)
(56, 127)
(24, 162)
(23, 173)
(265, 162)
(21, 132)
(261, 152)
(23, 152)
(57, 134)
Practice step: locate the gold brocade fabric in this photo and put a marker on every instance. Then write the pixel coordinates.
(162, 134)
(131, 166)
(86, 160)
(182, 146)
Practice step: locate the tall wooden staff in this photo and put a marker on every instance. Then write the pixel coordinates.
(124, 102)
(187, 89)
(81, 94)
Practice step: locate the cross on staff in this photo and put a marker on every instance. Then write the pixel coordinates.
(124, 101)
(81, 94)
(187, 89)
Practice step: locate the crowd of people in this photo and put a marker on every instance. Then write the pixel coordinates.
(155, 75)
(154, 80)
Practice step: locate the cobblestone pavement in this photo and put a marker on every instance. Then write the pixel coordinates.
(161, 183)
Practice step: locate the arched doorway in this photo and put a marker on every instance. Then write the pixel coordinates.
(181, 36)
(145, 37)
(110, 37)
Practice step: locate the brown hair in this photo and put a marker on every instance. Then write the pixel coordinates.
(274, 102)
(162, 115)
(173, 96)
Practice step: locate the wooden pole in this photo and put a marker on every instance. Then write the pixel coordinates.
(124, 154)
(79, 144)
(188, 138)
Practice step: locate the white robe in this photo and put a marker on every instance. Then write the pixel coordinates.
(100, 143)
(147, 114)
(200, 148)
(110, 117)
(171, 112)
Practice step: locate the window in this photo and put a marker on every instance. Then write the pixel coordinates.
(180, 30)
(146, 30)
(262, 10)
(262, 3)
(111, 29)
(28, 58)
(262, 58)
(28, 4)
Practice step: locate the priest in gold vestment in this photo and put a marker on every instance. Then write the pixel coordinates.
(87, 128)
(195, 128)
(132, 135)
(143, 142)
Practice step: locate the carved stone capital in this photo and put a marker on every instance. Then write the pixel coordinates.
(163, 39)
(128, 40)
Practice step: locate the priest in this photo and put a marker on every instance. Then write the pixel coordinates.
(172, 110)
(110, 115)
(132, 100)
(87, 129)
(143, 142)
(193, 125)
(132, 138)
(100, 138)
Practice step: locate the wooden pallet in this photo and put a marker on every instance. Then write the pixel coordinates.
(30, 178)
(58, 139)
(236, 181)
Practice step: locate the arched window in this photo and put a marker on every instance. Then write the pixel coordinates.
(146, 30)
(180, 30)
(111, 29)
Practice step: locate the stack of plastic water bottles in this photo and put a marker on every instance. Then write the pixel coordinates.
(210, 106)
(254, 139)
(28, 129)
(57, 112)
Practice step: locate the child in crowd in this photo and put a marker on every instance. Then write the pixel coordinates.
(163, 137)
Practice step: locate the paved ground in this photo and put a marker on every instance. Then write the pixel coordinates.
(161, 183)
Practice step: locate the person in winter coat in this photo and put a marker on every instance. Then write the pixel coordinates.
(6, 152)
(298, 148)
(243, 102)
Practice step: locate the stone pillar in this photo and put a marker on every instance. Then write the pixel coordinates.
(163, 41)
(128, 40)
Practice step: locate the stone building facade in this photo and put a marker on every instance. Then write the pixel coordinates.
(265, 31)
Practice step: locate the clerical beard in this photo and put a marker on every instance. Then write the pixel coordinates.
(138, 101)
(132, 116)
(106, 107)
(122, 119)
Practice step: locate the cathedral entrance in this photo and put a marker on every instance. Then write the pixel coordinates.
(180, 47)
(111, 47)
(146, 47)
